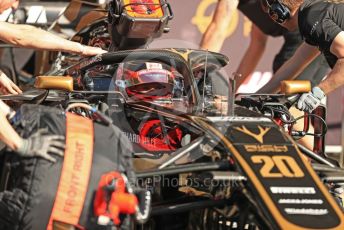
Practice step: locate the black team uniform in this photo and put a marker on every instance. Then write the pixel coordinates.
(292, 40)
(320, 21)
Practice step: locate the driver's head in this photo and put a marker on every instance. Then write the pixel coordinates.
(149, 80)
(6, 4)
(144, 76)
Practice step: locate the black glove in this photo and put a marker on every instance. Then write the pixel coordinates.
(40, 144)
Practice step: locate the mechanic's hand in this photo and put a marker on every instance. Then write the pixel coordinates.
(310, 101)
(90, 51)
(40, 144)
(7, 86)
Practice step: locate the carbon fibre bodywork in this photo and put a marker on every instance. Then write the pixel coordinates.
(242, 169)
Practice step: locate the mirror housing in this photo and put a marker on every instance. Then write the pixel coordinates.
(295, 87)
(54, 82)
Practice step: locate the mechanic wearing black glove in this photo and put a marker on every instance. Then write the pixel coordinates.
(40, 144)
(37, 145)
(321, 25)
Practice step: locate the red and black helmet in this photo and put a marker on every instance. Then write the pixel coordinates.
(148, 80)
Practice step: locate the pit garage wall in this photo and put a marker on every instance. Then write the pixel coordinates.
(191, 20)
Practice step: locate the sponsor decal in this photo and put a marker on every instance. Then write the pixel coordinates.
(90, 61)
(156, 75)
(134, 138)
(278, 166)
(300, 201)
(183, 53)
(277, 178)
(306, 211)
(292, 190)
(258, 136)
(314, 27)
(266, 148)
(153, 65)
(240, 119)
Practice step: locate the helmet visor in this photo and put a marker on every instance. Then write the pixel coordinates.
(148, 76)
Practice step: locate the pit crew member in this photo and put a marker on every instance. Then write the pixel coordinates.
(262, 27)
(321, 25)
(39, 144)
(31, 37)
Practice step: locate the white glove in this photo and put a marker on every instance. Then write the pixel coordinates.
(310, 101)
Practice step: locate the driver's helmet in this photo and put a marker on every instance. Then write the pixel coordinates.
(149, 81)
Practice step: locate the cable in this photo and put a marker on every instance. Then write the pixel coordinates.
(282, 112)
(321, 119)
(275, 109)
(292, 121)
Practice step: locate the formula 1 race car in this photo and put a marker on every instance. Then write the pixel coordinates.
(208, 162)
(207, 169)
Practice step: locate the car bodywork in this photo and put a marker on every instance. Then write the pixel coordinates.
(210, 163)
(242, 168)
